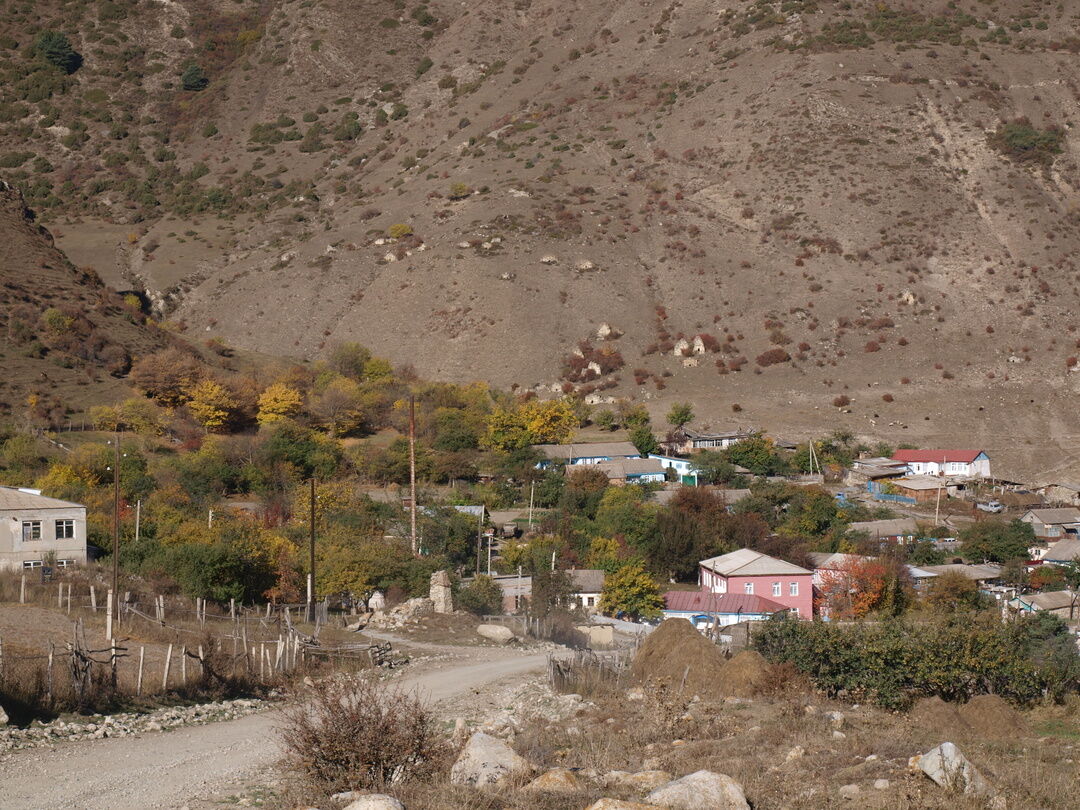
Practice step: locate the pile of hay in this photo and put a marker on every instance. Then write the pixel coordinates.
(679, 655)
(747, 674)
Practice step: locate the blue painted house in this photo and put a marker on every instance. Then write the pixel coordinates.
(585, 453)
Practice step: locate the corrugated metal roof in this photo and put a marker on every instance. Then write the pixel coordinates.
(748, 563)
(1063, 551)
(588, 450)
(705, 602)
(1054, 517)
(886, 528)
(13, 498)
(937, 456)
(977, 572)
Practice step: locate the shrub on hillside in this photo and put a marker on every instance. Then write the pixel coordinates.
(772, 357)
(481, 596)
(55, 48)
(1022, 142)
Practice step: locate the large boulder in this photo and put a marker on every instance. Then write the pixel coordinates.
(486, 761)
(700, 789)
(376, 801)
(951, 769)
(496, 632)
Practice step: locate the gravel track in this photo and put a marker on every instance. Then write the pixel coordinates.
(172, 769)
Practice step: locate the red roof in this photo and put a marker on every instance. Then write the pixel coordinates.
(929, 456)
(705, 602)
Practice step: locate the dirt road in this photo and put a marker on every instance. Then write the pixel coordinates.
(171, 769)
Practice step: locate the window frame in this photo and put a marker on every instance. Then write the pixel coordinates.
(748, 588)
(29, 525)
(68, 526)
(777, 589)
(793, 589)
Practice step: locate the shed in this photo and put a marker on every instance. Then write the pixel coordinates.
(704, 609)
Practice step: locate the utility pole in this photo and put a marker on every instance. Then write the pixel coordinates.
(412, 472)
(311, 558)
(532, 493)
(479, 539)
(138, 518)
(116, 529)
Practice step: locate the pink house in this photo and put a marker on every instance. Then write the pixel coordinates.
(756, 574)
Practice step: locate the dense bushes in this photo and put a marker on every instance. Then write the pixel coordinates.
(1020, 141)
(893, 663)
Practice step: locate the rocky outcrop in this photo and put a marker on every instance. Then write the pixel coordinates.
(557, 780)
(495, 632)
(439, 592)
(947, 767)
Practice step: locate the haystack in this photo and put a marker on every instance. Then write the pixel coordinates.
(745, 675)
(990, 717)
(677, 653)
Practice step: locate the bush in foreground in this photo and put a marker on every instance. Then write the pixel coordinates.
(352, 733)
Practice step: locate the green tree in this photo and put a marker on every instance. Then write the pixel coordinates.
(681, 413)
(951, 592)
(632, 591)
(55, 48)
(481, 596)
(605, 419)
(193, 79)
(643, 439)
(713, 467)
(758, 454)
(991, 541)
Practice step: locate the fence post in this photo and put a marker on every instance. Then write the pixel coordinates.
(232, 608)
(60, 596)
(93, 599)
(50, 671)
(262, 661)
(138, 678)
(109, 615)
(69, 599)
(183, 666)
(168, 661)
(202, 663)
(22, 589)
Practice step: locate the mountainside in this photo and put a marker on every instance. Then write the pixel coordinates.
(837, 199)
(67, 337)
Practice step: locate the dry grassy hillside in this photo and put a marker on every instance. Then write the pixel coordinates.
(815, 189)
(67, 337)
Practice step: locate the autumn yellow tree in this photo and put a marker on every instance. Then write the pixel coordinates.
(551, 421)
(211, 405)
(853, 589)
(277, 402)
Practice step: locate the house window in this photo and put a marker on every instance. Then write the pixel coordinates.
(776, 589)
(793, 589)
(31, 530)
(31, 564)
(65, 563)
(748, 587)
(65, 529)
(590, 601)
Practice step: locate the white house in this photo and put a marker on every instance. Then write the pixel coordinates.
(587, 584)
(1053, 524)
(35, 529)
(686, 440)
(683, 467)
(963, 463)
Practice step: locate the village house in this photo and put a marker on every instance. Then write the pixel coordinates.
(686, 440)
(755, 574)
(963, 463)
(918, 488)
(1063, 552)
(826, 564)
(984, 575)
(585, 453)
(683, 468)
(707, 610)
(897, 530)
(1053, 524)
(633, 471)
(35, 530)
(1063, 492)
(516, 591)
(586, 585)
(1061, 603)
(865, 470)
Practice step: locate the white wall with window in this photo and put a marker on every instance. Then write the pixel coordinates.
(35, 528)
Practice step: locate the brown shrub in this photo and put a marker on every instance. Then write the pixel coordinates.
(772, 357)
(353, 733)
(841, 401)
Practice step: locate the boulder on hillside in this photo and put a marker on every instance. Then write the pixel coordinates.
(486, 761)
(951, 769)
(700, 789)
(376, 801)
(642, 781)
(496, 632)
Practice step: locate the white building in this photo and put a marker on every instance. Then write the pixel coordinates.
(34, 529)
(963, 463)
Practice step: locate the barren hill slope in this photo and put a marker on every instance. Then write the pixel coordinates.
(813, 189)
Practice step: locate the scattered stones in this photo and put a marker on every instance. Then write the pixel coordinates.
(496, 632)
(798, 752)
(637, 693)
(716, 791)
(346, 796)
(849, 791)
(408, 611)
(549, 260)
(618, 804)
(949, 768)
(487, 761)
(376, 801)
(584, 266)
(557, 780)
(3, 717)
(836, 719)
(881, 784)
(125, 724)
(839, 735)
